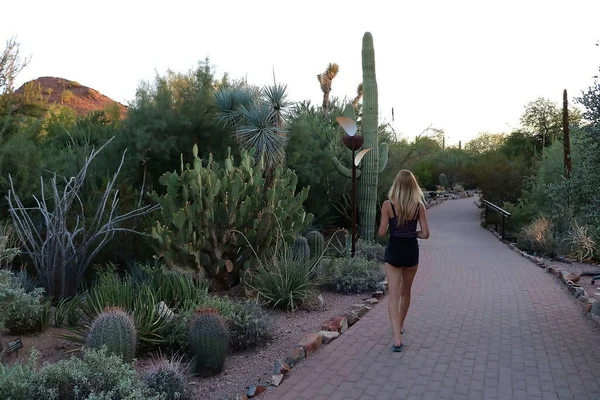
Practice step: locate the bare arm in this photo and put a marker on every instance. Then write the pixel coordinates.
(385, 217)
(424, 232)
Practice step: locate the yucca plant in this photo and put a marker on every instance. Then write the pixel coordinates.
(580, 243)
(258, 117)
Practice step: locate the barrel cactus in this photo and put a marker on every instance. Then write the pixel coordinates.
(300, 249)
(115, 329)
(208, 337)
(167, 378)
(444, 181)
(316, 243)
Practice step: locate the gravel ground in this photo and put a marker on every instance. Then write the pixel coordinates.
(584, 281)
(254, 367)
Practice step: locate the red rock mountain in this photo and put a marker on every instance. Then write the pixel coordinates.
(81, 99)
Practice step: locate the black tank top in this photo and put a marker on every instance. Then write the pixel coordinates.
(408, 229)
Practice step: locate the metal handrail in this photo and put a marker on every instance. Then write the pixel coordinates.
(505, 214)
(496, 208)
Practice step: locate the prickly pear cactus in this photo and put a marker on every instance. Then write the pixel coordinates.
(115, 329)
(208, 337)
(300, 249)
(316, 243)
(375, 160)
(206, 206)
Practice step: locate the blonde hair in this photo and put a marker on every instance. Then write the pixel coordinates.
(406, 195)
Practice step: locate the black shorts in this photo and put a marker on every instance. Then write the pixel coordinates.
(402, 252)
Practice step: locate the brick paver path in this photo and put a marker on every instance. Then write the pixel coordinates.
(484, 324)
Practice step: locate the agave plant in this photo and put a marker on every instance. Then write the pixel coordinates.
(580, 242)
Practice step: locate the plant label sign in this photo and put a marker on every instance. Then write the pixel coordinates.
(15, 345)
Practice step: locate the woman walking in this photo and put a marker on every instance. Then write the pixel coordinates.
(401, 212)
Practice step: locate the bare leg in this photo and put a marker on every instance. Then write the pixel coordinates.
(408, 275)
(394, 277)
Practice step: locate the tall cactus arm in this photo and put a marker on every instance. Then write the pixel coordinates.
(383, 156)
(345, 172)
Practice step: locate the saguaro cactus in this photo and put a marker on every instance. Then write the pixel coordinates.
(566, 135)
(375, 160)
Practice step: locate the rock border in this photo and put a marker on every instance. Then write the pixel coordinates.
(330, 330)
(590, 305)
(450, 196)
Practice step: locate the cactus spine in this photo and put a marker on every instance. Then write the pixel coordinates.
(115, 329)
(208, 337)
(300, 249)
(316, 243)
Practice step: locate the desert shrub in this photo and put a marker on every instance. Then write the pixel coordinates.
(9, 246)
(249, 326)
(17, 381)
(313, 141)
(22, 312)
(176, 331)
(370, 250)
(354, 275)
(96, 376)
(216, 218)
(538, 236)
(166, 377)
(168, 114)
(20, 158)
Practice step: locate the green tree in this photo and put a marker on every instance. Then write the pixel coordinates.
(542, 118)
(11, 64)
(312, 142)
(485, 142)
(170, 114)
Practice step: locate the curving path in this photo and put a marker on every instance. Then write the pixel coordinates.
(485, 323)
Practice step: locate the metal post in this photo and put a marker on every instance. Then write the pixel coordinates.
(502, 226)
(353, 206)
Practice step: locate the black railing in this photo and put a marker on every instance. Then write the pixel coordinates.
(505, 215)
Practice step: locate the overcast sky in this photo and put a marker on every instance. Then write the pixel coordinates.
(463, 66)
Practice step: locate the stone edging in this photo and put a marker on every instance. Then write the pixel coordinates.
(590, 304)
(442, 198)
(330, 330)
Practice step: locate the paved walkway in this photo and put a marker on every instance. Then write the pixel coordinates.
(484, 324)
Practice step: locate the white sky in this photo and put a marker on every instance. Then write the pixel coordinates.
(463, 66)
